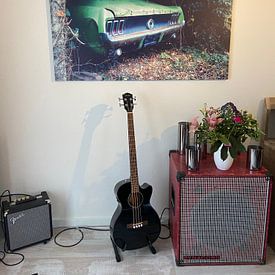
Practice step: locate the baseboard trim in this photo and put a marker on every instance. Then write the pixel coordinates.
(91, 221)
(81, 221)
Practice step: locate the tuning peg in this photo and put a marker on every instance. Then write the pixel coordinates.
(120, 99)
(120, 104)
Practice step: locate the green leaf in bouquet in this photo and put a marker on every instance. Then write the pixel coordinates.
(233, 152)
(224, 153)
(215, 146)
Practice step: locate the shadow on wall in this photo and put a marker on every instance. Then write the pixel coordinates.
(153, 162)
(152, 157)
(5, 182)
(91, 121)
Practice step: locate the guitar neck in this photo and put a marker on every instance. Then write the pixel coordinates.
(132, 154)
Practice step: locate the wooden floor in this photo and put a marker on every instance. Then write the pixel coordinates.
(94, 255)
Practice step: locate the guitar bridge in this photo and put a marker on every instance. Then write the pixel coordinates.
(136, 225)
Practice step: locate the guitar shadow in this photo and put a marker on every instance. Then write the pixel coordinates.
(153, 168)
(78, 186)
(98, 195)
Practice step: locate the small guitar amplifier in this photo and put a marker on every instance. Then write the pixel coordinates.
(27, 221)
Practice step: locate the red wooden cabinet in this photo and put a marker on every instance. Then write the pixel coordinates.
(218, 217)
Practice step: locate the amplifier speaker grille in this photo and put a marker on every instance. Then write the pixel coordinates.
(28, 226)
(223, 220)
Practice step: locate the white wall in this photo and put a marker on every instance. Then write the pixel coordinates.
(70, 138)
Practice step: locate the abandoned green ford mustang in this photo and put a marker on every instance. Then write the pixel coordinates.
(112, 27)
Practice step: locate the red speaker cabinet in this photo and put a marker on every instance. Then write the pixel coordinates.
(218, 217)
(268, 144)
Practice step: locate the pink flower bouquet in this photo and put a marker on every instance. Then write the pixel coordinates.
(225, 126)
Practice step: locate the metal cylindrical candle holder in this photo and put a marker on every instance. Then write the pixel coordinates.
(254, 157)
(201, 145)
(183, 136)
(192, 157)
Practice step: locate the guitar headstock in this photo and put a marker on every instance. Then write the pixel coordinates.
(128, 102)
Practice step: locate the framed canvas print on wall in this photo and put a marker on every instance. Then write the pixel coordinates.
(140, 39)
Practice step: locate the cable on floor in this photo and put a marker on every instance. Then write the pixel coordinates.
(80, 229)
(165, 225)
(5, 252)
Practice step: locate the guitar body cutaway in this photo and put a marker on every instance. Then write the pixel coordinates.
(134, 225)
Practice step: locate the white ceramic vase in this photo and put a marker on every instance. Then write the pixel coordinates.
(222, 164)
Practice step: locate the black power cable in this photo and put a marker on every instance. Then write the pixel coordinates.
(165, 225)
(5, 251)
(79, 228)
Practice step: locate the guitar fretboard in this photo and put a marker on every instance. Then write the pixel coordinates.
(132, 154)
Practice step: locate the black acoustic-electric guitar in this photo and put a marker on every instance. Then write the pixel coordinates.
(135, 223)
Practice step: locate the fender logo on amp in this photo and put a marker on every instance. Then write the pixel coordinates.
(14, 219)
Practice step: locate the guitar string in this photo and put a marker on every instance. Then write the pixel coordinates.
(133, 197)
(135, 190)
(136, 200)
(131, 160)
(138, 205)
(136, 221)
(133, 205)
(138, 210)
(130, 154)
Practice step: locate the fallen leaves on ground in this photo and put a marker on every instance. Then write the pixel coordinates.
(164, 64)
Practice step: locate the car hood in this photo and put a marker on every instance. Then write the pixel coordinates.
(135, 8)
